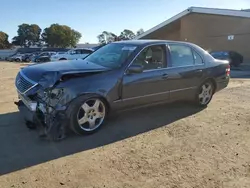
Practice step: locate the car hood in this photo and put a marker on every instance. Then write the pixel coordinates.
(52, 71)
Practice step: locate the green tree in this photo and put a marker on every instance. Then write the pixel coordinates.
(75, 38)
(4, 43)
(60, 36)
(27, 35)
(106, 37)
(126, 35)
(34, 34)
(139, 32)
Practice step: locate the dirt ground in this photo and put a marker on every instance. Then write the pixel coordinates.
(169, 146)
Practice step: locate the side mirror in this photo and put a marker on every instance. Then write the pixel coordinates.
(135, 69)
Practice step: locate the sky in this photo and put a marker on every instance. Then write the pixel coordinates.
(91, 17)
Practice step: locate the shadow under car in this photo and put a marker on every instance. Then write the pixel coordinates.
(21, 148)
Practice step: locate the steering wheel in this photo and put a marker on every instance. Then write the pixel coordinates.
(112, 57)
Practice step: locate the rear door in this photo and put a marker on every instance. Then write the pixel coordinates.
(185, 71)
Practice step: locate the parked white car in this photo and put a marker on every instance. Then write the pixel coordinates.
(73, 54)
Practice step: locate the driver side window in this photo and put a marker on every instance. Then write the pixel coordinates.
(153, 57)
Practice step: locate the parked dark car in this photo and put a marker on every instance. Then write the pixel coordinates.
(234, 58)
(118, 76)
(42, 57)
(27, 57)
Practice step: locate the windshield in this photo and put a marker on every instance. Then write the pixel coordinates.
(112, 55)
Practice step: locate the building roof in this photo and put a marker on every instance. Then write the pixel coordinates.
(248, 10)
(201, 10)
(86, 45)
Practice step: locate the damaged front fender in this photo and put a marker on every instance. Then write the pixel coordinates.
(49, 79)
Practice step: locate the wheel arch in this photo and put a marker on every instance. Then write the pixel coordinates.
(98, 95)
(62, 58)
(212, 80)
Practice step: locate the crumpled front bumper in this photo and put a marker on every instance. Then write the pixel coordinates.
(54, 125)
(31, 112)
(39, 113)
(28, 115)
(26, 107)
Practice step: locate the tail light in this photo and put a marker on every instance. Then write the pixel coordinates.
(228, 70)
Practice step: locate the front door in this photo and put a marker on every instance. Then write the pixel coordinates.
(149, 86)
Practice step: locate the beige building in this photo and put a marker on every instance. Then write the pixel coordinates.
(212, 29)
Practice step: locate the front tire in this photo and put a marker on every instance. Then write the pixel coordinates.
(30, 125)
(205, 93)
(87, 114)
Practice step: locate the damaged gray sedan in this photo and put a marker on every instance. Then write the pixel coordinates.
(80, 94)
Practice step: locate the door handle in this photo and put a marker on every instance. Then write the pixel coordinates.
(164, 76)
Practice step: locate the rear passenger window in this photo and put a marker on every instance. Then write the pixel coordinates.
(181, 55)
(197, 58)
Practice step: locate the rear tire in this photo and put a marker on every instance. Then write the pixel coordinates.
(62, 59)
(204, 93)
(87, 114)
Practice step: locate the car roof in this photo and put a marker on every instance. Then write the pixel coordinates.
(148, 42)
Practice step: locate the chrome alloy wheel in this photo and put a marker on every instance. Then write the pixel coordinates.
(206, 93)
(91, 114)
